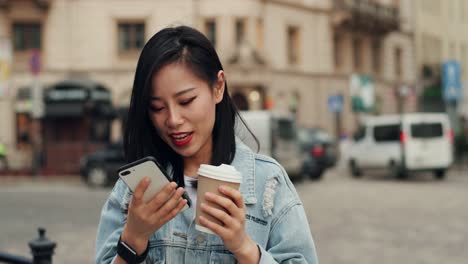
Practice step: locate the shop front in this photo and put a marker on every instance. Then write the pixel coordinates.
(77, 121)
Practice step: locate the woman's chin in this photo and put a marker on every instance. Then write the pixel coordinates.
(184, 152)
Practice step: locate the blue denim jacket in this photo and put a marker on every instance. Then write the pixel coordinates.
(275, 219)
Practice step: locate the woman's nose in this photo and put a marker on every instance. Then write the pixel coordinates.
(174, 119)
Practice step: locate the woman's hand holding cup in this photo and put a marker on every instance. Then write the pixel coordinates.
(221, 210)
(232, 230)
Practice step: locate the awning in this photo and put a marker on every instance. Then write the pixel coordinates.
(77, 97)
(66, 109)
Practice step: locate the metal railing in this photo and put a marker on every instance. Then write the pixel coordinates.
(369, 8)
(42, 250)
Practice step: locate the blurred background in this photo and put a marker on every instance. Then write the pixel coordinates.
(319, 73)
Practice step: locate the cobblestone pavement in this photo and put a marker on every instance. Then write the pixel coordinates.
(374, 219)
(378, 219)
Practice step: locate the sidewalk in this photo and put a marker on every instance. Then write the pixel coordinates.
(15, 180)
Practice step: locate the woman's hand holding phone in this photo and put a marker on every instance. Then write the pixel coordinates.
(145, 218)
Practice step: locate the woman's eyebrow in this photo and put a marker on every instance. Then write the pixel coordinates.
(177, 94)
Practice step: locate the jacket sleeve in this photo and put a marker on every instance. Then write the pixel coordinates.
(111, 225)
(290, 239)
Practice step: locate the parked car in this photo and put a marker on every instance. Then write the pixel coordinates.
(99, 169)
(277, 136)
(401, 144)
(320, 148)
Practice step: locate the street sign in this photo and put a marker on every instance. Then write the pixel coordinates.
(451, 85)
(35, 62)
(362, 93)
(335, 103)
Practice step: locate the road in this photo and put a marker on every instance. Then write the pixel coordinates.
(374, 219)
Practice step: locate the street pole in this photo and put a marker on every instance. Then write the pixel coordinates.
(402, 93)
(37, 113)
(36, 126)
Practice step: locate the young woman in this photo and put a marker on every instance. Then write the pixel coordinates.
(181, 114)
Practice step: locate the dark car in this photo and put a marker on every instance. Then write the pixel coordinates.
(99, 169)
(321, 149)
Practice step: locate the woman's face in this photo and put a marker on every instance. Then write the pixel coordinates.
(182, 110)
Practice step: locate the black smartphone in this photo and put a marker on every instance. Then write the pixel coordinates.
(134, 172)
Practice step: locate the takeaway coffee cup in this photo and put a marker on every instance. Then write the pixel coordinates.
(209, 179)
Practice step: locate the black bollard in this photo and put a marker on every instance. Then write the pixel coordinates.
(42, 248)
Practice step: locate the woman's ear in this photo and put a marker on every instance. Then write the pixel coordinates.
(219, 87)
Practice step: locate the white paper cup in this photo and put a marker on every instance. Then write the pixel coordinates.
(209, 179)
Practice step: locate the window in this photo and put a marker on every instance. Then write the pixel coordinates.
(376, 55)
(293, 45)
(398, 54)
(387, 133)
(426, 130)
(321, 136)
(463, 10)
(260, 34)
(337, 50)
(131, 36)
(360, 134)
(464, 61)
(461, 6)
(210, 30)
(286, 129)
(240, 30)
(357, 53)
(26, 36)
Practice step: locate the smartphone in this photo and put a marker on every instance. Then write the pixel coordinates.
(134, 172)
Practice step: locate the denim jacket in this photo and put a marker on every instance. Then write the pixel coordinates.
(275, 220)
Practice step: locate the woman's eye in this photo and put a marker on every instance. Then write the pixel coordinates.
(155, 109)
(188, 101)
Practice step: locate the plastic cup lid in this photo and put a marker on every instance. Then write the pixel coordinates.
(222, 172)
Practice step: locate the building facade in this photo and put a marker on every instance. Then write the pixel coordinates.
(440, 35)
(288, 56)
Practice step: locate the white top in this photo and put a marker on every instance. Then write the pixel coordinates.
(191, 188)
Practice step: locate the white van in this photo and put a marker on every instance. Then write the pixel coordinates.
(403, 143)
(277, 136)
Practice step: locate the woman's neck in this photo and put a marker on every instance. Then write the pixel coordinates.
(191, 164)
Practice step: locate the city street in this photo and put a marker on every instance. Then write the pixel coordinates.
(374, 219)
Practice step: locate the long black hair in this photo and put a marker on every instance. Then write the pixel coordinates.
(188, 46)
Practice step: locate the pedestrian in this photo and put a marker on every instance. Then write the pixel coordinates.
(181, 113)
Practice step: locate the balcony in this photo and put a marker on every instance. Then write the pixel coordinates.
(41, 4)
(365, 16)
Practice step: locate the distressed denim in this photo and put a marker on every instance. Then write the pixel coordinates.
(275, 220)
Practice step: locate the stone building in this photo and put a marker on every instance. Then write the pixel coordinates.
(440, 35)
(288, 56)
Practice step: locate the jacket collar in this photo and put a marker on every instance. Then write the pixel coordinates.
(244, 162)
